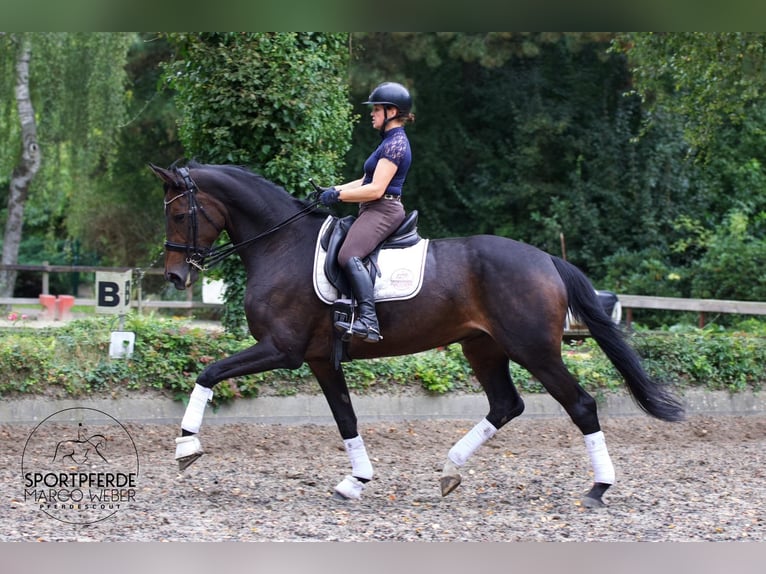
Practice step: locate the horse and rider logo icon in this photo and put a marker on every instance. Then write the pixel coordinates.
(78, 450)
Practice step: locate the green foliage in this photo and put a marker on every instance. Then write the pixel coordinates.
(726, 262)
(440, 372)
(274, 102)
(118, 219)
(711, 359)
(733, 265)
(72, 361)
(77, 86)
(707, 78)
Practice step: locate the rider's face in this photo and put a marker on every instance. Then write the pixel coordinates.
(378, 116)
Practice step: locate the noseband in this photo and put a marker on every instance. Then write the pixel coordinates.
(195, 254)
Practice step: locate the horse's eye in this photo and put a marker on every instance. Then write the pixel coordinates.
(179, 217)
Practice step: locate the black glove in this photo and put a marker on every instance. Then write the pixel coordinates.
(329, 196)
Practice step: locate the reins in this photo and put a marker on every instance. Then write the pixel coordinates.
(196, 255)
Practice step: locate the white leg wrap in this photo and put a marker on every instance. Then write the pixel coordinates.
(466, 446)
(196, 408)
(361, 467)
(350, 487)
(603, 469)
(188, 446)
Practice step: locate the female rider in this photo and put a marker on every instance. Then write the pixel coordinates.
(379, 194)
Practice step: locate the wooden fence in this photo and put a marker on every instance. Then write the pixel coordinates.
(140, 300)
(700, 306)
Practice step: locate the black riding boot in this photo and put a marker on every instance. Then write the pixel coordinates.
(366, 323)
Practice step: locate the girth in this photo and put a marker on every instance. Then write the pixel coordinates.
(406, 235)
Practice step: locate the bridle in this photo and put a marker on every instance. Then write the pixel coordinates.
(196, 255)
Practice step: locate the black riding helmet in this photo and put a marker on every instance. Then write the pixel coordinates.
(391, 94)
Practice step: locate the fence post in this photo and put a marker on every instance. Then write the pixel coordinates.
(140, 292)
(46, 280)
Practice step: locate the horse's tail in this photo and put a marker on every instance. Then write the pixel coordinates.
(652, 397)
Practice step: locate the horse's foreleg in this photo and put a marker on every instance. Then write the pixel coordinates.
(352, 485)
(335, 389)
(188, 446)
(258, 358)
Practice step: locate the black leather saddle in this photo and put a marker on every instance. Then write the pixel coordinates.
(405, 236)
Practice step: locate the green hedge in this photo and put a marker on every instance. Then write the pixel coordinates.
(72, 361)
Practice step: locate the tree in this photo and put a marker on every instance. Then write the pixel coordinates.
(708, 78)
(116, 219)
(274, 102)
(25, 171)
(714, 86)
(70, 103)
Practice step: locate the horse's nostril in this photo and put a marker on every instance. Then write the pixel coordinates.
(175, 279)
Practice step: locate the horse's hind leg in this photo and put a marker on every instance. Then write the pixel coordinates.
(490, 365)
(333, 384)
(581, 408)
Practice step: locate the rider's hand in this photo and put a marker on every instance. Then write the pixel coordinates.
(329, 196)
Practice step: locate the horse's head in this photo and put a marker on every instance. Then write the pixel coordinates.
(193, 221)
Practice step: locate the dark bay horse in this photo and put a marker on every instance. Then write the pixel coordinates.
(498, 298)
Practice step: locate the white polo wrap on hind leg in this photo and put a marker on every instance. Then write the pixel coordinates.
(603, 469)
(361, 467)
(196, 408)
(473, 439)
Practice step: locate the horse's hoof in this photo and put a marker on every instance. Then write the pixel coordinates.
(349, 488)
(188, 449)
(450, 479)
(449, 483)
(590, 502)
(593, 498)
(186, 462)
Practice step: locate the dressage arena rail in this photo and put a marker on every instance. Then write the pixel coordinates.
(701, 306)
(138, 301)
(628, 302)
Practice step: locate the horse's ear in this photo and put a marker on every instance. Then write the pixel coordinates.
(164, 174)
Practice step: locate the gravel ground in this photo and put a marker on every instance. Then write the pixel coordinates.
(700, 480)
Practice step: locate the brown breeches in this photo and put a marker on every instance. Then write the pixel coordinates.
(376, 221)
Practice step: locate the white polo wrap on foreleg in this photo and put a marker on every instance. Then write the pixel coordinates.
(196, 408)
(603, 469)
(361, 467)
(473, 439)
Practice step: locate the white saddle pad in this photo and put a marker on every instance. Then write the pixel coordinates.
(401, 271)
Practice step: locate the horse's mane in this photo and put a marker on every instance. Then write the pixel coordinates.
(239, 172)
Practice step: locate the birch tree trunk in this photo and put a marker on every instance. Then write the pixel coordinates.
(23, 173)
